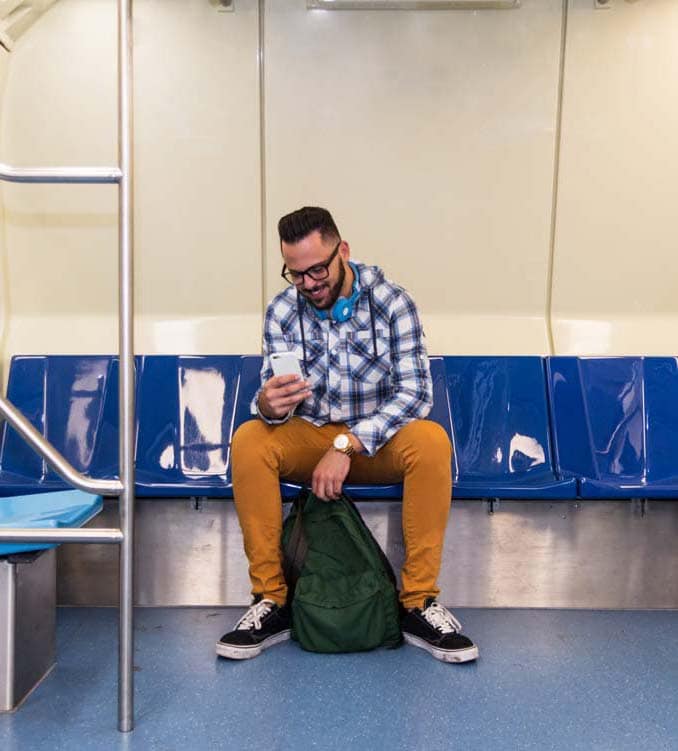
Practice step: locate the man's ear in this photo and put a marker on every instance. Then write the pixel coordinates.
(345, 250)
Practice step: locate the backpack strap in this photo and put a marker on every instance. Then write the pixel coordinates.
(297, 547)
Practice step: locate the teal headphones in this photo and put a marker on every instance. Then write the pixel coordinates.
(342, 309)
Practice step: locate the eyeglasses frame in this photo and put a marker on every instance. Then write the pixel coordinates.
(325, 265)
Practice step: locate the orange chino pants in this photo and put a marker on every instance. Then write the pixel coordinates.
(419, 455)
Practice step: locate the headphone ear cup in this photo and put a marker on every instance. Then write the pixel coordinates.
(342, 309)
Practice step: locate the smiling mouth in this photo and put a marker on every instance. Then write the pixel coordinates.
(316, 293)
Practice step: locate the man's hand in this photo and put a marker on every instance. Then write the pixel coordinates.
(329, 475)
(280, 394)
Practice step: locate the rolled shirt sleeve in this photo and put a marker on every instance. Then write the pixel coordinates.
(273, 341)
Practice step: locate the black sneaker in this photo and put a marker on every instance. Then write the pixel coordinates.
(436, 630)
(263, 625)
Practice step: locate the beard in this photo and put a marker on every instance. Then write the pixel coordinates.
(334, 290)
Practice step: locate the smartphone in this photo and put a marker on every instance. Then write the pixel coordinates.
(285, 363)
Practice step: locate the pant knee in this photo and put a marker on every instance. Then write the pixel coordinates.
(427, 440)
(250, 440)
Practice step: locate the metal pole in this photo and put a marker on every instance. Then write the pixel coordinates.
(558, 140)
(53, 457)
(261, 63)
(123, 175)
(17, 534)
(59, 174)
(126, 334)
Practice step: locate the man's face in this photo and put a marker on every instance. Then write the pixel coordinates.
(311, 252)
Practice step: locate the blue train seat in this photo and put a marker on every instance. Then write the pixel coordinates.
(500, 423)
(184, 410)
(73, 402)
(616, 424)
(69, 508)
(249, 383)
(493, 408)
(185, 413)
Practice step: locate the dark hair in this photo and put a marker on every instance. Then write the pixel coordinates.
(300, 223)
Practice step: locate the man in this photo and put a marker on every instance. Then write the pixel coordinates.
(357, 416)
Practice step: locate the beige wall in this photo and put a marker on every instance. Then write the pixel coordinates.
(59, 109)
(431, 136)
(198, 220)
(198, 257)
(616, 257)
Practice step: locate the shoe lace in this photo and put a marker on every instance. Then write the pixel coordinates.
(252, 618)
(441, 619)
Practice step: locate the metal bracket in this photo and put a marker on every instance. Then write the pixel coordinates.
(639, 506)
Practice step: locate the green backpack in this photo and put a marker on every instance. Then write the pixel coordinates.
(342, 588)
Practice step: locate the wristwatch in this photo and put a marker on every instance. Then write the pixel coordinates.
(343, 444)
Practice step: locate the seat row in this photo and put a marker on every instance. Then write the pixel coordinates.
(521, 427)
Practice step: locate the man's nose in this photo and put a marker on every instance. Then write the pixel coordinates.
(308, 282)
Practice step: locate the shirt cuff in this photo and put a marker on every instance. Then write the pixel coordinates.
(364, 430)
(271, 420)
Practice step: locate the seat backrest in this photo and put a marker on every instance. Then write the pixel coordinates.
(184, 410)
(661, 417)
(499, 417)
(248, 384)
(72, 401)
(615, 417)
(440, 412)
(572, 444)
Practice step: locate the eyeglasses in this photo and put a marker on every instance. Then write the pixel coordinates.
(317, 272)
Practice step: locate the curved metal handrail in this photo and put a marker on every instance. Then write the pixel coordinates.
(56, 460)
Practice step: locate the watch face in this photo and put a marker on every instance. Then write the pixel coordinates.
(341, 442)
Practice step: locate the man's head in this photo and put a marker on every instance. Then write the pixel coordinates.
(310, 243)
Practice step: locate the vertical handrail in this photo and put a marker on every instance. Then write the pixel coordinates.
(123, 175)
(126, 347)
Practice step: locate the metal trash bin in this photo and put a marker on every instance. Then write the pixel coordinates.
(27, 624)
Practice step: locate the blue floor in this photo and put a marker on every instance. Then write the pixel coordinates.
(546, 679)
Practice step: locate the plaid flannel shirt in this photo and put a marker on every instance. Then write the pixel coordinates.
(374, 395)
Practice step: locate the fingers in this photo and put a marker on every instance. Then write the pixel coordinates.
(282, 380)
(328, 477)
(288, 399)
(281, 393)
(326, 491)
(287, 402)
(286, 388)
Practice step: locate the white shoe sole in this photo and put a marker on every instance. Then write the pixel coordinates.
(236, 652)
(445, 655)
